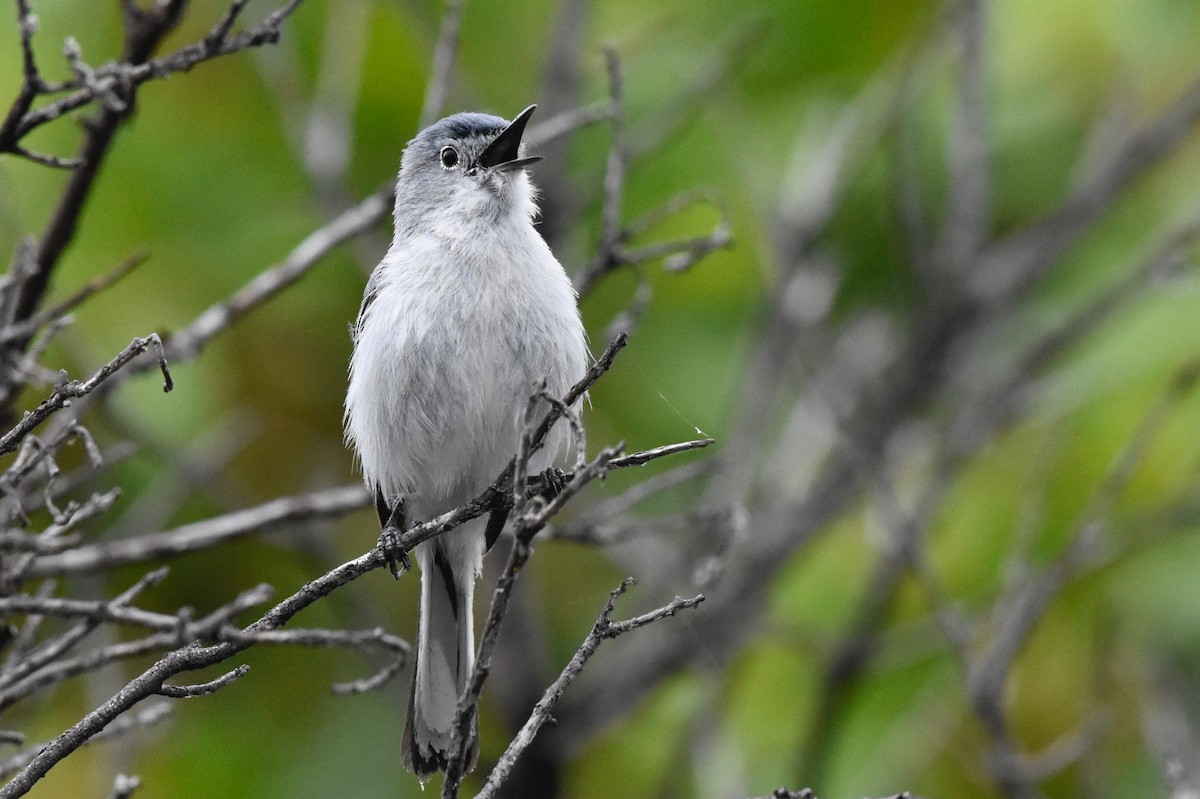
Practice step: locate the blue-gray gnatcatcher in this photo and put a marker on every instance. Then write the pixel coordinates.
(466, 314)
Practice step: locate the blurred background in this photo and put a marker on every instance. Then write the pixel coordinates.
(949, 530)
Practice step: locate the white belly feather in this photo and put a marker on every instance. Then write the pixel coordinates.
(446, 358)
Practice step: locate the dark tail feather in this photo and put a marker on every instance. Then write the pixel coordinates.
(444, 658)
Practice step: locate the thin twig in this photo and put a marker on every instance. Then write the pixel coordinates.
(136, 719)
(442, 71)
(1017, 261)
(567, 122)
(197, 656)
(204, 534)
(133, 74)
(965, 226)
(144, 29)
(524, 527)
(395, 647)
(604, 628)
(24, 661)
(63, 394)
(28, 327)
(189, 341)
(614, 180)
(204, 688)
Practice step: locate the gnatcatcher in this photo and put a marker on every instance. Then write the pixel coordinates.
(467, 313)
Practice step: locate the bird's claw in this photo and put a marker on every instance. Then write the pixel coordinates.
(394, 553)
(554, 480)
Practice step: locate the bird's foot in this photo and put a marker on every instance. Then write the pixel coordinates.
(553, 482)
(394, 552)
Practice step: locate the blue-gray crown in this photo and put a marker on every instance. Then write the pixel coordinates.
(500, 140)
(464, 126)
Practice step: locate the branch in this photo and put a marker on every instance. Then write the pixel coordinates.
(32, 84)
(144, 29)
(63, 394)
(645, 456)
(96, 610)
(603, 629)
(202, 689)
(43, 667)
(965, 227)
(611, 252)
(26, 328)
(1017, 613)
(442, 72)
(188, 342)
(1015, 262)
(133, 73)
(146, 717)
(567, 122)
(204, 534)
(197, 656)
(987, 663)
(998, 403)
(614, 180)
(395, 647)
(525, 527)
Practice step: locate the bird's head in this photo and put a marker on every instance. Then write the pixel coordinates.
(467, 167)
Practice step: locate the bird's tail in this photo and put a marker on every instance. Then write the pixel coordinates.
(444, 659)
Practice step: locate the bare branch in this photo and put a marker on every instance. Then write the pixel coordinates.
(681, 254)
(524, 527)
(28, 327)
(145, 717)
(965, 228)
(95, 609)
(216, 37)
(438, 87)
(614, 181)
(188, 342)
(395, 647)
(63, 394)
(1015, 262)
(196, 656)
(133, 73)
(613, 629)
(578, 434)
(204, 688)
(604, 628)
(204, 534)
(644, 457)
(997, 404)
(567, 122)
(144, 29)
(44, 159)
(26, 636)
(32, 83)
(1016, 613)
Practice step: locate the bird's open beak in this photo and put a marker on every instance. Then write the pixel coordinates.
(501, 154)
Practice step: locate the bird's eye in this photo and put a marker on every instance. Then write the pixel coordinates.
(449, 157)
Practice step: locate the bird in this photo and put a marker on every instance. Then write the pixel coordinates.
(466, 315)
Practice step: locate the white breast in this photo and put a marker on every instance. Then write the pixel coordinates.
(447, 355)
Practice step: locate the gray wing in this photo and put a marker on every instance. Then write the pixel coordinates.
(369, 294)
